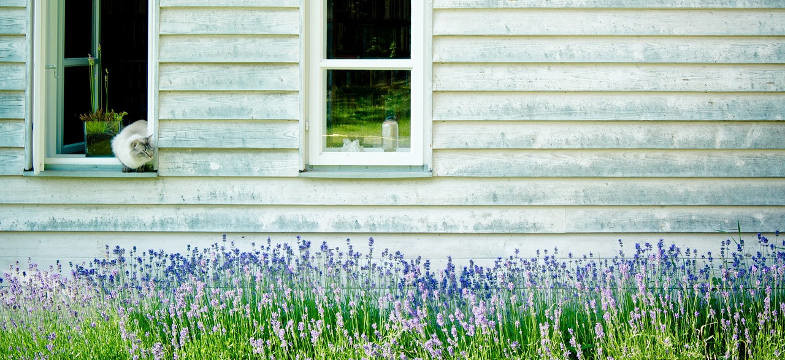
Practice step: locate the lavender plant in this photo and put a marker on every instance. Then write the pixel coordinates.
(279, 302)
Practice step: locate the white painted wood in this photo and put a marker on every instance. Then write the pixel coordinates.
(13, 48)
(12, 161)
(428, 85)
(228, 105)
(608, 77)
(633, 4)
(732, 50)
(39, 89)
(12, 20)
(228, 3)
(228, 134)
(607, 106)
(194, 21)
(552, 22)
(608, 135)
(13, 3)
(229, 48)
(439, 191)
(12, 133)
(212, 162)
(306, 219)
(12, 105)
(229, 77)
(153, 72)
(609, 163)
(13, 75)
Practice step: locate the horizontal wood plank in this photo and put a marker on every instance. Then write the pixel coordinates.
(607, 106)
(229, 21)
(12, 161)
(13, 21)
(633, 4)
(13, 49)
(12, 105)
(12, 133)
(229, 48)
(209, 162)
(444, 191)
(467, 220)
(606, 77)
(609, 163)
(228, 134)
(228, 3)
(229, 77)
(229, 105)
(13, 76)
(732, 50)
(604, 135)
(611, 22)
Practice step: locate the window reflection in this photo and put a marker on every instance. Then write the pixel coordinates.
(368, 29)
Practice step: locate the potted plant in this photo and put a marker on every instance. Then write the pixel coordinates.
(101, 124)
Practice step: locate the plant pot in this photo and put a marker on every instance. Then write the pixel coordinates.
(98, 137)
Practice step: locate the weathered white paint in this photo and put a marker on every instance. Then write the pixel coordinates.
(438, 191)
(607, 106)
(12, 20)
(12, 105)
(608, 135)
(229, 77)
(13, 75)
(229, 105)
(635, 22)
(238, 3)
(609, 163)
(12, 161)
(222, 21)
(12, 133)
(12, 48)
(227, 134)
(214, 162)
(633, 4)
(616, 49)
(229, 48)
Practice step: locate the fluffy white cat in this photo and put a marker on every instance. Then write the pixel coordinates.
(133, 146)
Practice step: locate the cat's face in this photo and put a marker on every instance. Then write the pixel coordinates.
(142, 149)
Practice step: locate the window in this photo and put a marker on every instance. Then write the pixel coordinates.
(365, 82)
(68, 35)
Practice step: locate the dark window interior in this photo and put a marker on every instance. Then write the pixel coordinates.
(368, 29)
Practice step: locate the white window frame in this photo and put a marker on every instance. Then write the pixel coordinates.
(45, 83)
(318, 64)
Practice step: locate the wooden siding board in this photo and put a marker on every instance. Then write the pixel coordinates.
(12, 161)
(445, 191)
(228, 134)
(229, 48)
(13, 21)
(228, 3)
(13, 48)
(12, 105)
(608, 22)
(467, 220)
(229, 21)
(229, 105)
(634, 4)
(12, 133)
(609, 163)
(468, 49)
(13, 76)
(607, 106)
(613, 135)
(229, 77)
(607, 77)
(213, 162)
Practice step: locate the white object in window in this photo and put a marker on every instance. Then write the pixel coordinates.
(366, 61)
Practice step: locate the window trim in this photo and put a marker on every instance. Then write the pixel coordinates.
(315, 83)
(39, 86)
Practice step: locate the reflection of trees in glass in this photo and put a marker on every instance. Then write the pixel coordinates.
(357, 101)
(368, 29)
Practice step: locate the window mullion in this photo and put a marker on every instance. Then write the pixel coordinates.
(367, 64)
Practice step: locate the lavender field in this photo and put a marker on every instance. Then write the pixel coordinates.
(651, 301)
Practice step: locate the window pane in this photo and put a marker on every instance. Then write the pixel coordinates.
(368, 29)
(78, 28)
(368, 110)
(76, 101)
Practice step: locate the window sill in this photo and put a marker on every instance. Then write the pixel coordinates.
(366, 172)
(90, 171)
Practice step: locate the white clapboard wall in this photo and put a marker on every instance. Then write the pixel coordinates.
(560, 123)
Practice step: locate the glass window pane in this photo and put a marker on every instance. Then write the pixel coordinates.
(368, 110)
(78, 28)
(76, 101)
(369, 29)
